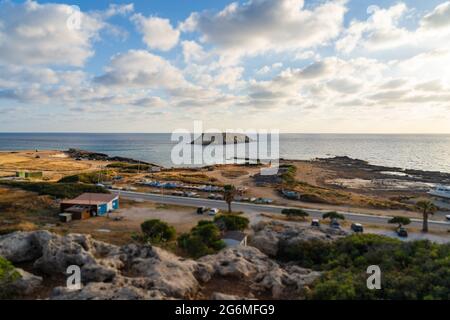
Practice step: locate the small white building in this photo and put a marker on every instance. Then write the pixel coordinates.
(235, 238)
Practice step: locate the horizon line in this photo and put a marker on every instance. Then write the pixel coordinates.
(311, 133)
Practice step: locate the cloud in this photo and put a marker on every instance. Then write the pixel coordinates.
(438, 18)
(140, 68)
(383, 31)
(157, 33)
(193, 52)
(380, 31)
(119, 9)
(32, 33)
(260, 25)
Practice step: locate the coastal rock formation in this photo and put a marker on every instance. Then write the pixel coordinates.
(26, 284)
(145, 272)
(89, 155)
(268, 235)
(222, 138)
(263, 274)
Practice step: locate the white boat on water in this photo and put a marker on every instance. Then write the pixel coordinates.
(441, 192)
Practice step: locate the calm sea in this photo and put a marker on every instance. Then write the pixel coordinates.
(425, 152)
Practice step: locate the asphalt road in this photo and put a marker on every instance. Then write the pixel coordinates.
(253, 210)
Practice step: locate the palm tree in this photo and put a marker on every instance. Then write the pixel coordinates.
(229, 194)
(426, 207)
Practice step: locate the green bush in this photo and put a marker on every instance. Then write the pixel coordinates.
(295, 213)
(58, 190)
(157, 231)
(203, 239)
(333, 215)
(410, 270)
(8, 275)
(231, 222)
(401, 221)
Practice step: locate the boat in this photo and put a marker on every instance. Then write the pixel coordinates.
(441, 192)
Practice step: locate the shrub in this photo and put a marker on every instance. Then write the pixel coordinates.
(8, 275)
(411, 270)
(203, 239)
(57, 190)
(231, 222)
(333, 215)
(157, 231)
(87, 177)
(401, 221)
(295, 213)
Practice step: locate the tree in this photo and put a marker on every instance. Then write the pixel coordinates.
(231, 222)
(401, 221)
(333, 215)
(203, 239)
(229, 194)
(426, 207)
(157, 231)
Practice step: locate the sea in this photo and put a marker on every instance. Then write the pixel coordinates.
(408, 151)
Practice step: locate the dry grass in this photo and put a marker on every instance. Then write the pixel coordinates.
(186, 177)
(233, 174)
(25, 211)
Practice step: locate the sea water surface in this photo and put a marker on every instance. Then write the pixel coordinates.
(423, 152)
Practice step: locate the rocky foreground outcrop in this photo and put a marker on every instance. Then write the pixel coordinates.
(145, 272)
(268, 235)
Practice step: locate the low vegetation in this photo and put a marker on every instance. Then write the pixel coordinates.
(410, 270)
(400, 221)
(231, 222)
(203, 239)
(189, 178)
(8, 275)
(89, 177)
(57, 190)
(333, 215)
(156, 231)
(295, 213)
(129, 167)
(288, 174)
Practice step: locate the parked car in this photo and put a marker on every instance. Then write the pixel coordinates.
(211, 196)
(213, 211)
(335, 224)
(447, 217)
(401, 232)
(201, 210)
(357, 227)
(315, 223)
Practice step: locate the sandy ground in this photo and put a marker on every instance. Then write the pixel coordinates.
(183, 219)
(54, 164)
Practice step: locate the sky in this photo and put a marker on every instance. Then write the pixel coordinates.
(318, 66)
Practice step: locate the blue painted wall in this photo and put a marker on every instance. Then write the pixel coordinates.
(102, 209)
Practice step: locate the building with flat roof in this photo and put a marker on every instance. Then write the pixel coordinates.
(98, 203)
(235, 238)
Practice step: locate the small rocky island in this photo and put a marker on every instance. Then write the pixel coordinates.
(222, 138)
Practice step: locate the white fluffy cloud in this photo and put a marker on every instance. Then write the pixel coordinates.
(157, 33)
(261, 25)
(438, 18)
(140, 68)
(380, 31)
(385, 30)
(32, 33)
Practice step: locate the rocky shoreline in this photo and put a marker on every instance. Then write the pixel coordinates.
(96, 156)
